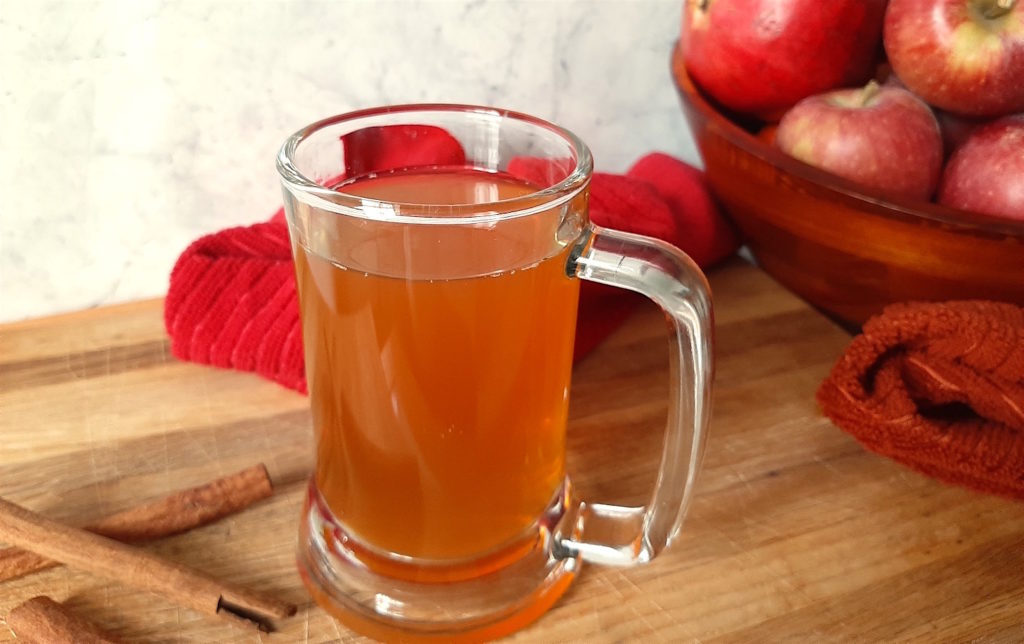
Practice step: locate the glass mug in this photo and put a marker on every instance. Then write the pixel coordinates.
(438, 295)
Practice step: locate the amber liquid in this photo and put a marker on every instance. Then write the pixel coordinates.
(439, 405)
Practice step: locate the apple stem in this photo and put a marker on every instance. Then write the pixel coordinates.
(869, 92)
(993, 9)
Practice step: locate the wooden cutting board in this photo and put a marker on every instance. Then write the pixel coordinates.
(796, 533)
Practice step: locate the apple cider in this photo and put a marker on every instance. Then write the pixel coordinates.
(439, 401)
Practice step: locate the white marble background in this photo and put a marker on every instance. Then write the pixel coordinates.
(130, 127)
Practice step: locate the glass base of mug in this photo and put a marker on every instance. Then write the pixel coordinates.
(398, 598)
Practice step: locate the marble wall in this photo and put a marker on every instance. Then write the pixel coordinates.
(130, 127)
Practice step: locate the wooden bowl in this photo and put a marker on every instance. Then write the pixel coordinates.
(843, 248)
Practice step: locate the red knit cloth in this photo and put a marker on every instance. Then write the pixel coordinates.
(938, 387)
(232, 301)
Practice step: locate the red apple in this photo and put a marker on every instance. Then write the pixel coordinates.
(881, 137)
(760, 57)
(964, 56)
(986, 173)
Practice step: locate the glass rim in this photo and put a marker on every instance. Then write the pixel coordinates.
(333, 200)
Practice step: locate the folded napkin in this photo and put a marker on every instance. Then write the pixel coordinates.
(232, 301)
(938, 387)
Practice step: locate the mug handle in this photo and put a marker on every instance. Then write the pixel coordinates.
(625, 536)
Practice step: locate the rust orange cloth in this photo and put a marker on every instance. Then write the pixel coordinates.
(938, 387)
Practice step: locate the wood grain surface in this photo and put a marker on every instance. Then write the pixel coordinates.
(795, 534)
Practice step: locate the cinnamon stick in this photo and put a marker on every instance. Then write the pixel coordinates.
(138, 568)
(44, 621)
(176, 513)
